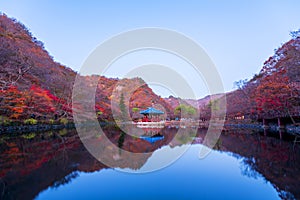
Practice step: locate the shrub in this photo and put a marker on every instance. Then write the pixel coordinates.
(30, 121)
(50, 133)
(29, 136)
(63, 132)
(63, 121)
(5, 121)
(135, 110)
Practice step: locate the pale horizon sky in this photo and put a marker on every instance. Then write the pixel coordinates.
(238, 36)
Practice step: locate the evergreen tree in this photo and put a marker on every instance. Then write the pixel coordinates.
(122, 107)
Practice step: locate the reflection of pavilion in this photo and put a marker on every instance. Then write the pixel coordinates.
(150, 131)
(152, 135)
(153, 138)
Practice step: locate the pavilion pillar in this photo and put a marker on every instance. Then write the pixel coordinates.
(265, 123)
(279, 127)
(279, 123)
(265, 126)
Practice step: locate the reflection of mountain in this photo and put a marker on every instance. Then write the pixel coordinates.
(29, 166)
(278, 161)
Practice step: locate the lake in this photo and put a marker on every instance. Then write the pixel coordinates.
(244, 164)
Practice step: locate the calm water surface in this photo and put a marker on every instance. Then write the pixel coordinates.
(56, 165)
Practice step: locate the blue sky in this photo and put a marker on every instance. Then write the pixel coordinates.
(237, 35)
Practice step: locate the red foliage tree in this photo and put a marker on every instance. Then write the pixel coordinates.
(272, 95)
(12, 102)
(39, 102)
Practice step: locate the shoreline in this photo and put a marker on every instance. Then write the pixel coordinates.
(290, 129)
(4, 129)
(34, 128)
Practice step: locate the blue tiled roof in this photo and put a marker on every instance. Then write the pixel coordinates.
(151, 110)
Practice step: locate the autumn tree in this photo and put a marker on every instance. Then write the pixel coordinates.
(277, 92)
(12, 102)
(295, 34)
(14, 63)
(40, 102)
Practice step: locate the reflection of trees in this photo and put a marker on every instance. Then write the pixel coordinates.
(115, 148)
(42, 162)
(285, 195)
(50, 160)
(185, 136)
(218, 144)
(212, 138)
(60, 134)
(248, 168)
(276, 160)
(65, 180)
(121, 140)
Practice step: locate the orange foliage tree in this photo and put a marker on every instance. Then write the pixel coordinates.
(12, 102)
(39, 102)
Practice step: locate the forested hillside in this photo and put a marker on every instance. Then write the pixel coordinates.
(272, 93)
(33, 86)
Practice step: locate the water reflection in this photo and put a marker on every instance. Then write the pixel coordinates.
(35, 162)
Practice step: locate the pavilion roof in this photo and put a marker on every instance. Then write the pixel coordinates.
(151, 111)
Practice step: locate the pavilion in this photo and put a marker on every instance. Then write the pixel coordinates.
(151, 114)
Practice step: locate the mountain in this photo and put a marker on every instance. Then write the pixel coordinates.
(196, 103)
(25, 62)
(272, 93)
(136, 96)
(33, 85)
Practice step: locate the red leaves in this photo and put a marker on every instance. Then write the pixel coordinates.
(17, 104)
(43, 93)
(99, 108)
(272, 93)
(12, 102)
(40, 101)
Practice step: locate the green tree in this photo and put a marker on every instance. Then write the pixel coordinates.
(122, 106)
(214, 105)
(185, 110)
(135, 110)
